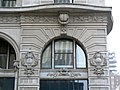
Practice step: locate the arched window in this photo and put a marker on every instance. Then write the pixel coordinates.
(63, 53)
(7, 55)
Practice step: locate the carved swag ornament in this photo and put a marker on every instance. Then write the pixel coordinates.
(29, 62)
(98, 61)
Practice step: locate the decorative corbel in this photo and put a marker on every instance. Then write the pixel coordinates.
(29, 62)
(98, 61)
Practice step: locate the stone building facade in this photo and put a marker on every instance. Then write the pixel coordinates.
(53, 44)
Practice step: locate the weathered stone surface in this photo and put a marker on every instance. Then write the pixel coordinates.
(34, 30)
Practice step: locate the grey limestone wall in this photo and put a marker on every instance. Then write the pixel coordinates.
(34, 30)
(88, 28)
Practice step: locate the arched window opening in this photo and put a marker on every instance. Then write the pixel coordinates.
(63, 53)
(7, 55)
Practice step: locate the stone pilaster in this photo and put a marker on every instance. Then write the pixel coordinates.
(29, 71)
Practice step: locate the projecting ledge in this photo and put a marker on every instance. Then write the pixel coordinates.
(57, 7)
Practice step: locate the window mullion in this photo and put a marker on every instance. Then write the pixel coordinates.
(8, 54)
(74, 61)
(53, 54)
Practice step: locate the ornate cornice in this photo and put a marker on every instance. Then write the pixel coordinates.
(53, 19)
(56, 7)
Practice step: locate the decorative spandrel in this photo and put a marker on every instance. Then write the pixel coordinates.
(29, 62)
(98, 61)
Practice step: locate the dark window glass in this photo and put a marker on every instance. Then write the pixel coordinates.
(7, 55)
(61, 85)
(6, 83)
(8, 3)
(78, 85)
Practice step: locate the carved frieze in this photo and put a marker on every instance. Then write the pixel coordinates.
(72, 19)
(52, 19)
(38, 19)
(88, 18)
(9, 19)
(63, 72)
